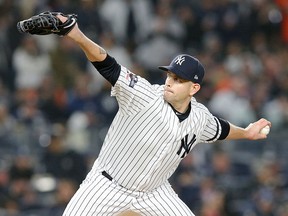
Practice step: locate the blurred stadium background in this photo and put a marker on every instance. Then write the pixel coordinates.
(55, 109)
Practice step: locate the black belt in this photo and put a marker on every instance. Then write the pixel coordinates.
(104, 173)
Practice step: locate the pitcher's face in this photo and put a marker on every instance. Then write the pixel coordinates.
(178, 91)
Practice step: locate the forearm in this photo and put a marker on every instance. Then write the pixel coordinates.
(93, 51)
(237, 133)
(251, 132)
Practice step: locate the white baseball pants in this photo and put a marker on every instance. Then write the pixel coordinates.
(103, 197)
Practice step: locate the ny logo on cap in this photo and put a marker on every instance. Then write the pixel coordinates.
(180, 60)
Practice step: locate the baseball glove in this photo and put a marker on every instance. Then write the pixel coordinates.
(47, 23)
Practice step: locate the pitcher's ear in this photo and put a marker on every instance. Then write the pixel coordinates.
(195, 88)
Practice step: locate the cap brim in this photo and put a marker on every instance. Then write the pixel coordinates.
(165, 68)
(170, 68)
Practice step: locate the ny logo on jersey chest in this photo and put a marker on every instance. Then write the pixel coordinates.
(186, 146)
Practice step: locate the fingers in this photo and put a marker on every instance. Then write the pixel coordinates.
(62, 18)
(263, 123)
(260, 124)
(73, 33)
(254, 129)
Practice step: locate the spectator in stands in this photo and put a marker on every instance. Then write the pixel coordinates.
(64, 192)
(60, 162)
(31, 64)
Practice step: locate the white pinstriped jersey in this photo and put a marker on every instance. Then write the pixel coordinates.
(146, 141)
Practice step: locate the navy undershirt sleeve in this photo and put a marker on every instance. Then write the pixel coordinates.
(225, 128)
(109, 69)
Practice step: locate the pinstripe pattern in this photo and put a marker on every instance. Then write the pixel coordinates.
(161, 202)
(143, 147)
(145, 156)
(98, 197)
(102, 197)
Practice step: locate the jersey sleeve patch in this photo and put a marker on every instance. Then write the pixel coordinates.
(133, 92)
(132, 79)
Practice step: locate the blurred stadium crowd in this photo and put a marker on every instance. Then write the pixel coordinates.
(55, 109)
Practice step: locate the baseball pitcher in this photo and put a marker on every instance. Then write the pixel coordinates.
(155, 128)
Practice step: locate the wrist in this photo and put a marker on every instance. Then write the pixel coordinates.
(76, 35)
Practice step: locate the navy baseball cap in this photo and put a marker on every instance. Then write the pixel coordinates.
(186, 67)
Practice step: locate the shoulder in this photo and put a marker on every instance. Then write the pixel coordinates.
(198, 106)
(133, 80)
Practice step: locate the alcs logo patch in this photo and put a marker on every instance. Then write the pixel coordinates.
(132, 79)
